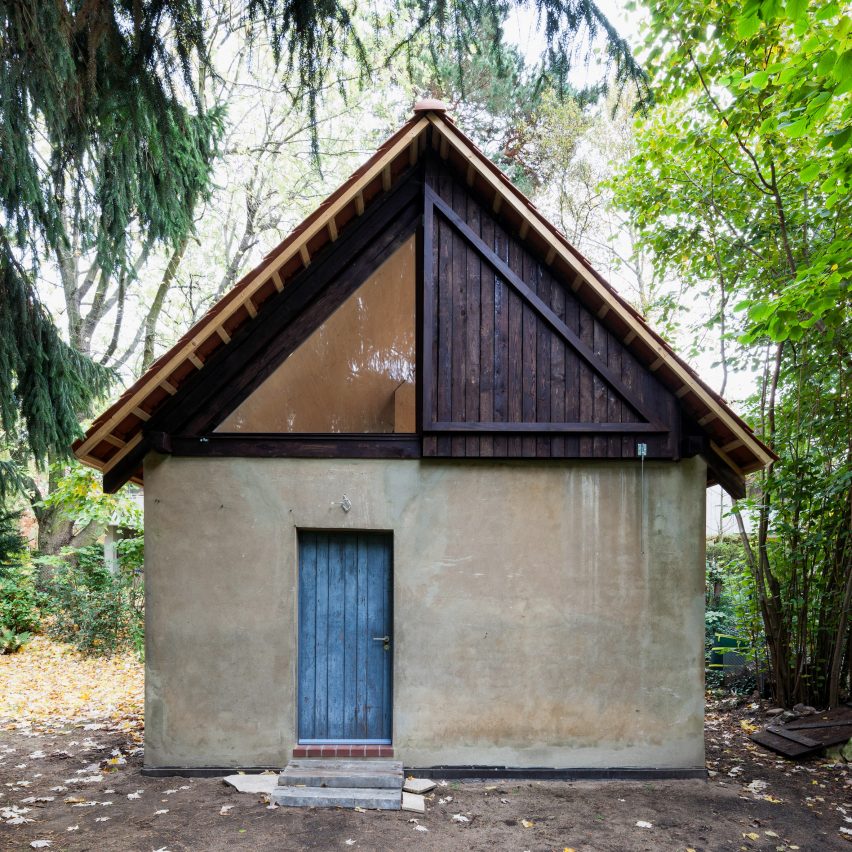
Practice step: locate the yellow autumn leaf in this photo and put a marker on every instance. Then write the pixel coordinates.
(752, 835)
(747, 726)
(526, 823)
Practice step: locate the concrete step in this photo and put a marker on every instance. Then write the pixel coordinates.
(375, 798)
(331, 773)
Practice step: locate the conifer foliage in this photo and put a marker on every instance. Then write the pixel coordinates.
(97, 104)
(104, 134)
(312, 36)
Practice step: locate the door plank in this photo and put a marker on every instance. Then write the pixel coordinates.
(321, 692)
(307, 635)
(376, 653)
(363, 641)
(350, 636)
(336, 644)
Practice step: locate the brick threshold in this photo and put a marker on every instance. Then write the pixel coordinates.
(343, 751)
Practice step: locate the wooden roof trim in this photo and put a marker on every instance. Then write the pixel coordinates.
(246, 288)
(525, 209)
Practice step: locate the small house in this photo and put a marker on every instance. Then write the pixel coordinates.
(423, 484)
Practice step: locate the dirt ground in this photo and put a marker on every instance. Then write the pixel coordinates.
(75, 781)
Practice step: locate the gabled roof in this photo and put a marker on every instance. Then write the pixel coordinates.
(118, 431)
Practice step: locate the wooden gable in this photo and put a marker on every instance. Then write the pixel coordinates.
(514, 365)
(523, 350)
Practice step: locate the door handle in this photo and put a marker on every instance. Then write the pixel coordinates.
(383, 639)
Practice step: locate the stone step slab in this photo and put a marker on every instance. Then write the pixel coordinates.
(372, 798)
(413, 802)
(258, 784)
(316, 772)
(418, 785)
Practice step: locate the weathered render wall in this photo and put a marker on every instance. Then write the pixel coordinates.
(530, 627)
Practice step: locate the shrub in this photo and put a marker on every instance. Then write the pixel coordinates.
(19, 599)
(731, 609)
(93, 609)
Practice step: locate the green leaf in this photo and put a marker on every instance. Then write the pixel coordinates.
(826, 62)
(843, 27)
(795, 9)
(843, 67)
(759, 79)
(747, 27)
(796, 129)
(828, 11)
(841, 138)
(810, 172)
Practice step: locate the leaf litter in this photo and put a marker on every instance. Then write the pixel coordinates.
(80, 706)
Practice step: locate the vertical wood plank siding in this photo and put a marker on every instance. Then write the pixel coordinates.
(496, 359)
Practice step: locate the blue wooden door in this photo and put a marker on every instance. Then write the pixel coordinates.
(345, 637)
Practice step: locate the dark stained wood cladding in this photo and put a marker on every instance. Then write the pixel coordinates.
(514, 366)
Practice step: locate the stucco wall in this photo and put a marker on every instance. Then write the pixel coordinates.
(530, 628)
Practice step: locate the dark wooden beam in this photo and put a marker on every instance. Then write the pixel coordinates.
(573, 340)
(296, 445)
(115, 477)
(731, 480)
(587, 428)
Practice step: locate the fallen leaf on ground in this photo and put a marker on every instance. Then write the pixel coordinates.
(163, 811)
(49, 679)
(41, 844)
(223, 811)
(460, 818)
(752, 835)
(527, 823)
(643, 824)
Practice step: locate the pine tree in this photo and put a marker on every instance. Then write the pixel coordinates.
(98, 104)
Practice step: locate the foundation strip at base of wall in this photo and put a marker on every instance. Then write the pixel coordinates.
(203, 771)
(534, 773)
(546, 773)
